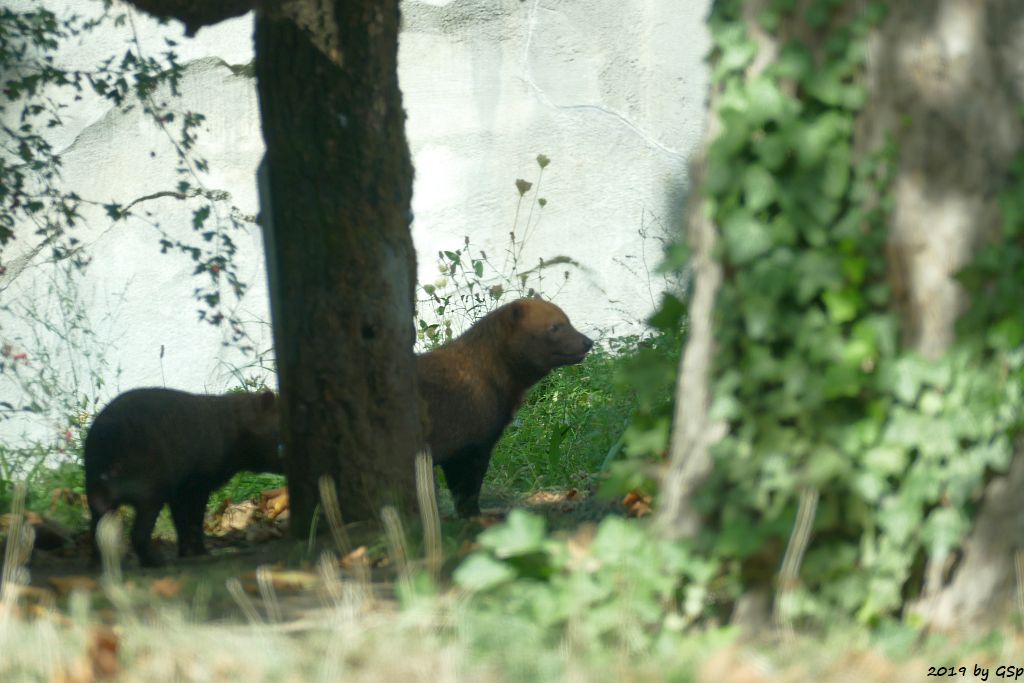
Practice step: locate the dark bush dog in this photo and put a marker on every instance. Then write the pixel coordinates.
(473, 385)
(154, 446)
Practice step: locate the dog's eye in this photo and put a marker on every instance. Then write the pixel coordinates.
(554, 328)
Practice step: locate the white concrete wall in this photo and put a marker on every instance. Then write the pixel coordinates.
(612, 91)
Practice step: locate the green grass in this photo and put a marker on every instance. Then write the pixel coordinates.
(566, 430)
(572, 423)
(243, 486)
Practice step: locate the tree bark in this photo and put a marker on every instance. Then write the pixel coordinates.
(693, 434)
(950, 71)
(341, 255)
(945, 81)
(336, 187)
(941, 81)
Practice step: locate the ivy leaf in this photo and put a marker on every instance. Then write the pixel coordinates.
(617, 540)
(736, 49)
(647, 439)
(745, 237)
(772, 150)
(817, 271)
(794, 62)
(900, 518)
(837, 172)
(481, 572)
(766, 101)
(943, 530)
(759, 188)
(842, 305)
(886, 460)
(870, 486)
(670, 314)
(521, 534)
(815, 139)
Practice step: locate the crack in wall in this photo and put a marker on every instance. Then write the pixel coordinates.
(635, 128)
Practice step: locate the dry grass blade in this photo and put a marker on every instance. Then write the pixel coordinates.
(20, 538)
(395, 535)
(426, 495)
(795, 549)
(269, 595)
(329, 500)
(330, 582)
(110, 541)
(236, 591)
(1018, 567)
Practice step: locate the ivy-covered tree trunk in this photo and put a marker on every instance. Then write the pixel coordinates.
(340, 253)
(947, 80)
(866, 153)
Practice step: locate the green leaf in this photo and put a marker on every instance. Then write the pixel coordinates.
(480, 572)
(641, 439)
(783, 231)
(736, 50)
(521, 534)
(842, 305)
(943, 530)
(794, 62)
(759, 188)
(618, 540)
(745, 237)
(199, 217)
(837, 172)
(767, 103)
(854, 268)
(870, 486)
(670, 314)
(817, 271)
(900, 518)
(814, 140)
(886, 460)
(772, 150)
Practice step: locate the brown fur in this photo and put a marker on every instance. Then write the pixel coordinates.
(473, 385)
(154, 446)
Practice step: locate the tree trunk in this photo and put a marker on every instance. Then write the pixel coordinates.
(950, 70)
(945, 82)
(693, 433)
(340, 252)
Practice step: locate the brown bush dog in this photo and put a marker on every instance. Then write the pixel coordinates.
(154, 446)
(473, 385)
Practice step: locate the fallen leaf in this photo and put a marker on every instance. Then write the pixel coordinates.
(166, 587)
(235, 517)
(66, 584)
(274, 502)
(637, 504)
(488, 519)
(356, 557)
(66, 495)
(103, 647)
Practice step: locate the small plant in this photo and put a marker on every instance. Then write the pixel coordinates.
(55, 373)
(471, 286)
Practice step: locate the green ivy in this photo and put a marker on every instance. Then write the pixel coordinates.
(809, 374)
(620, 585)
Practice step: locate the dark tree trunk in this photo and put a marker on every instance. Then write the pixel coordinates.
(340, 253)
